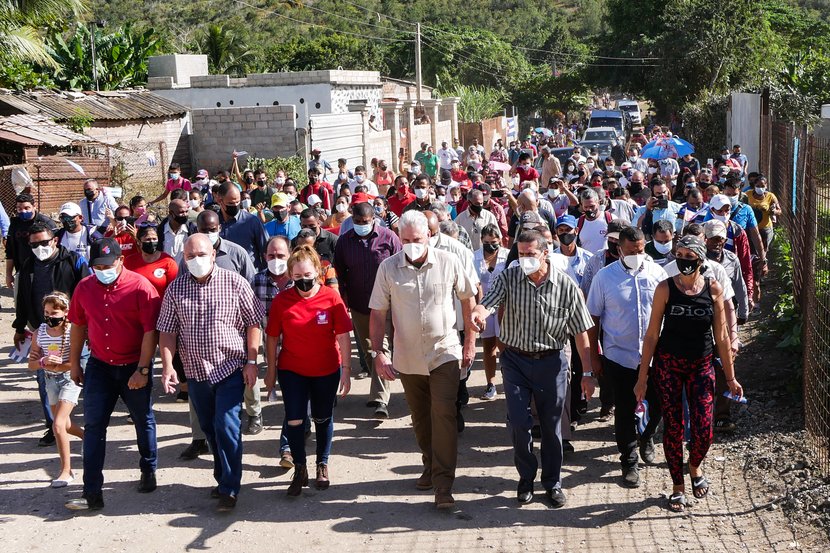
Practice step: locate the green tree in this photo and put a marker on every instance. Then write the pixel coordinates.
(120, 57)
(477, 102)
(226, 50)
(307, 53)
(23, 24)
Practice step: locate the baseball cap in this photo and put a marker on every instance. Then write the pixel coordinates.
(70, 208)
(104, 252)
(568, 220)
(614, 228)
(316, 151)
(531, 219)
(361, 198)
(714, 228)
(313, 200)
(718, 201)
(202, 174)
(280, 199)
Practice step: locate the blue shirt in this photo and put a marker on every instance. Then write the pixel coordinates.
(668, 214)
(247, 231)
(4, 222)
(576, 263)
(622, 300)
(741, 214)
(289, 228)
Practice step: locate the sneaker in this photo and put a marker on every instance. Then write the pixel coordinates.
(286, 460)
(147, 483)
(524, 492)
(63, 482)
(181, 397)
(372, 403)
(254, 426)
(606, 414)
(490, 392)
(381, 411)
(226, 503)
(48, 439)
(444, 499)
(322, 481)
(361, 375)
(631, 477)
(647, 451)
(196, 448)
(88, 502)
(556, 497)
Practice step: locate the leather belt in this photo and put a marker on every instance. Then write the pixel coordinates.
(534, 354)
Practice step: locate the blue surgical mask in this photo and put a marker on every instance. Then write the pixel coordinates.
(363, 230)
(378, 210)
(106, 276)
(26, 215)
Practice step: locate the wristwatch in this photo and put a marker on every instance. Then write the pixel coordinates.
(374, 353)
(144, 371)
(589, 373)
(249, 362)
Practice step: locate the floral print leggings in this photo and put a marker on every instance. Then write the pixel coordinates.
(673, 374)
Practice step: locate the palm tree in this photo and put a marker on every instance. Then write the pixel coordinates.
(22, 22)
(226, 51)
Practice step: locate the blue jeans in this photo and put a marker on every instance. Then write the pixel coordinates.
(103, 385)
(546, 381)
(218, 407)
(297, 391)
(44, 398)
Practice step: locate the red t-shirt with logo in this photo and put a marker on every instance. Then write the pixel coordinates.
(530, 174)
(309, 327)
(160, 272)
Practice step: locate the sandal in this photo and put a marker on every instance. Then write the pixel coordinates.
(700, 486)
(677, 502)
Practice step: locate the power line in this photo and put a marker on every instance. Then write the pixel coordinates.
(361, 22)
(288, 17)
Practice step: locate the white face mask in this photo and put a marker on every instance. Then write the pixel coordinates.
(723, 218)
(414, 251)
(194, 204)
(634, 261)
(359, 178)
(245, 204)
(652, 170)
(442, 199)
(341, 208)
(277, 266)
(529, 265)
(280, 180)
(632, 159)
(421, 193)
(200, 266)
(662, 248)
(760, 190)
(213, 237)
(43, 252)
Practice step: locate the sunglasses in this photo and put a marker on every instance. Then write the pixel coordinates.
(39, 244)
(148, 224)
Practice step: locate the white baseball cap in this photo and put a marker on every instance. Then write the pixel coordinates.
(718, 201)
(70, 208)
(313, 200)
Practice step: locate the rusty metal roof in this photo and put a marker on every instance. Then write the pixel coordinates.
(101, 106)
(33, 130)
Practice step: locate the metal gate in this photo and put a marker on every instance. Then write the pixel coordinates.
(338, 135)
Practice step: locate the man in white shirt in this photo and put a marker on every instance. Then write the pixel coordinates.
(446, 156)
(475, 218)
(174, 230)
(75, 236)
(360, 179)
(593, 225)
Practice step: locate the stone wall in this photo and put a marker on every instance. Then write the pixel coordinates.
(379, 146)
(266, 131)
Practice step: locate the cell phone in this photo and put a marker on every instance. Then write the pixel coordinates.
(400, 152)
(662, 203)
(497, 193)
(130, 220)
(709, 162)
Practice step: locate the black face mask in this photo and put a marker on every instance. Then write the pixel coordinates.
(232, 210)
(614, 248)
(687, 266)
(305, 284)
(567, 239)
(491, 247)
(591, 215)
(180, 219)
(260, 183)
(54, 321)
(89, 194)
(150, 247)
(281, 214)
(715, 256)
(475, 209)
(69, 224)
(249, 180)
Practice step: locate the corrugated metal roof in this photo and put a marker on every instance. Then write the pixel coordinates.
(106, 106)
(37, 129)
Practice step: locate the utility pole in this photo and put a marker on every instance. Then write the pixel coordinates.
(92, 48)
(418, 79)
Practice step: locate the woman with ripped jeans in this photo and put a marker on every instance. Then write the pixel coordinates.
(314, 324)
(689, 308)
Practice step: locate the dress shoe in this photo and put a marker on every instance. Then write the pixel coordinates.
(254, 426)
(424, 482)
(524, 493)
(286, 460)
(147, 483)
(226, 503)
(87, 502)
(444, 499)
(556, 497)
(196, 448)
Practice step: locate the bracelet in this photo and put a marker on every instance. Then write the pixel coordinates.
(250, 362)
(589, 373)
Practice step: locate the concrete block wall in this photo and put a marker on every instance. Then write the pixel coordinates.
(265, 131)
(379, 146)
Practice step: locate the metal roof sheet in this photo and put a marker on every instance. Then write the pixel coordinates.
(111, 105)
(37, 129)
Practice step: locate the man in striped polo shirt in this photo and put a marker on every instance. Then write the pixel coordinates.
(543, 308)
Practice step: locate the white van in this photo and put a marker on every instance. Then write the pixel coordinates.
(633, 109)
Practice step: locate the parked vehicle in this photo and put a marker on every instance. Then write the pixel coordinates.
(599, 133)
(618, 120)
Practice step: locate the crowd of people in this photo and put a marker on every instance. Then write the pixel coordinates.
(631, 277)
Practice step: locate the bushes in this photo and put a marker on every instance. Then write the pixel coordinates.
(704, 125)
(294, 167)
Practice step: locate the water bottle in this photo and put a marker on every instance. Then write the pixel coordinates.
(729, 395)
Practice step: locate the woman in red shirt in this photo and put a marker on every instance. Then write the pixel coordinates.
(314, 325)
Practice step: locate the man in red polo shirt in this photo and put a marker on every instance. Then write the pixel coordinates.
(117, 309)
(319, 187)
(402, 196)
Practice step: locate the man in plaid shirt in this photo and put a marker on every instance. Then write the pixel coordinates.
(210, 301)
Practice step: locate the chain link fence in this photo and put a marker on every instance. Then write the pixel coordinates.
(799, 166)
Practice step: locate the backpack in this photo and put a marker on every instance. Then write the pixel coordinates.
(581, 222)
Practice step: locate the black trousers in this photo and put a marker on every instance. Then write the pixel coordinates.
(623, 380)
